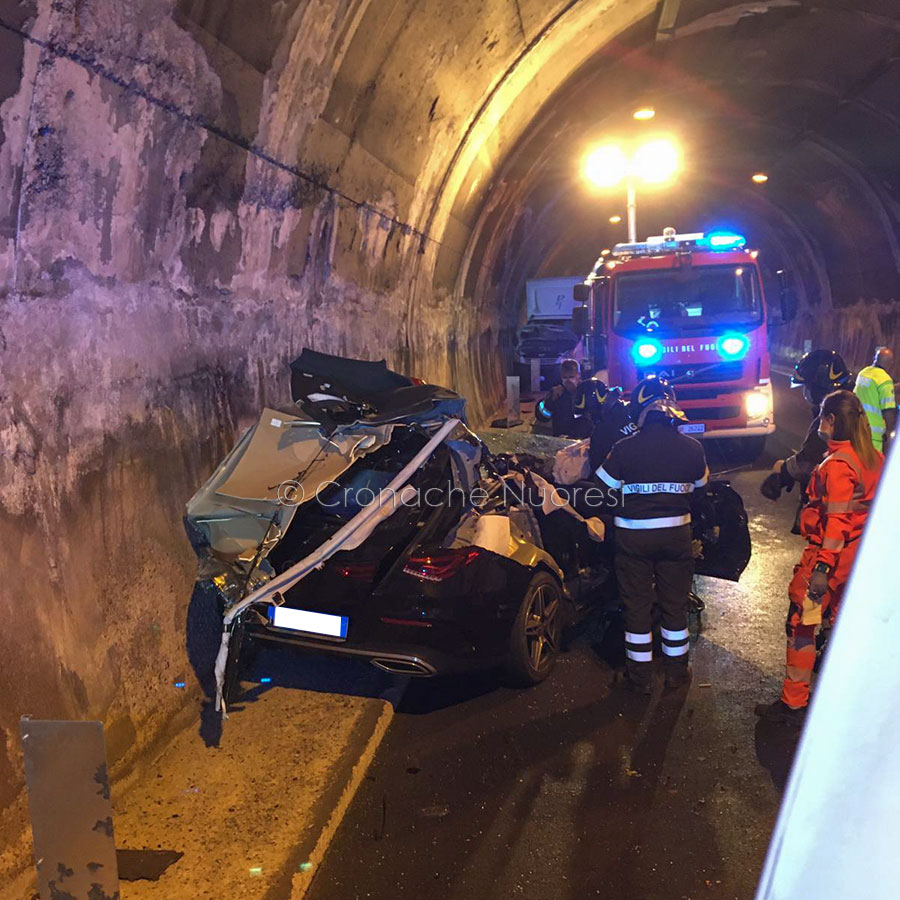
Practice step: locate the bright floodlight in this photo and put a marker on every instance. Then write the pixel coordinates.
(614, 220)
(657, 161)
(644, 113)
(760, 178)
(606, 166)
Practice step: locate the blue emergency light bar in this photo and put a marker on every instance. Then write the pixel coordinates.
(680, 243)
(724, 240)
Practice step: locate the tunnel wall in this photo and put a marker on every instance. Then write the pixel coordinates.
(158, 271)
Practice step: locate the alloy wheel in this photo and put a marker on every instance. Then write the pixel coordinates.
(541, 633)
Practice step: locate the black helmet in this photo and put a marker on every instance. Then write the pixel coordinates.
(590, 394)
(820, 372)
(654, 395)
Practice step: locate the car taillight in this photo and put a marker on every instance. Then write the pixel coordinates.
(358, 571)
(440, 565)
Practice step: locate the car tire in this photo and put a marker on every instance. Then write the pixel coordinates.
(238, 648)
(536, 635)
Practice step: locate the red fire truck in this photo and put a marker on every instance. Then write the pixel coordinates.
(690, 308)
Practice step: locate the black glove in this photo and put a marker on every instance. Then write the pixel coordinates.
(818, 584)
(771, 486)
(787, 480)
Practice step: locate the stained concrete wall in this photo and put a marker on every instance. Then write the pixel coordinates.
(155, 279)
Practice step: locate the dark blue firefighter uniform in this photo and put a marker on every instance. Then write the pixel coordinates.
(657, 470)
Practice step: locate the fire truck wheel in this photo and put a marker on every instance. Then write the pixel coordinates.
(752, 447)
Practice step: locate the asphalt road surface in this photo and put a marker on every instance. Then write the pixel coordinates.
(577, 788)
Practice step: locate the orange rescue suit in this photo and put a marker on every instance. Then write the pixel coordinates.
(840, 492)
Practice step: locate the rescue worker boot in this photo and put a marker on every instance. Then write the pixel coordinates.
(638, 678)
(678, 675)
(780, 712)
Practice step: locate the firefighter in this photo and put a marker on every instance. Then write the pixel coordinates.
(875, 388)
(657, 469)
(558, 405)
(612, 422)
(818, 373)
(841, 490)
(590, 395)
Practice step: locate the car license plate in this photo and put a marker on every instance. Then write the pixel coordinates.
(695, 428)
(309, 622)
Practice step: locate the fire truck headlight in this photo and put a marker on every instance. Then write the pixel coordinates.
(758, 405)
(733, 346)
(646, 351)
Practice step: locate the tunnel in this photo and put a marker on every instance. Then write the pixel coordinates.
(192, 191)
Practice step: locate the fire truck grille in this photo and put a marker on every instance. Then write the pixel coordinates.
(698, 373)
(712, 413)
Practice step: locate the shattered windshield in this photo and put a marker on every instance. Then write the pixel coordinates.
(673, 301)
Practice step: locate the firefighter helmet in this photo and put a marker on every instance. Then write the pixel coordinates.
(820, 372)
(654, 395)
(589, 392)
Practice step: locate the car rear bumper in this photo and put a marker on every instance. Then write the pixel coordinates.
(414, 660)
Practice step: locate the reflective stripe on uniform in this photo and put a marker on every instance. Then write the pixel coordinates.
(857, 503)
(633, 638)
(800, 673)
(833, 544)
(851, 461)
(675, 651)
(701, 482)
(664, 522)
(671, 636)
(639, 655)
(607, 479)
(872, 409)
(660, 487)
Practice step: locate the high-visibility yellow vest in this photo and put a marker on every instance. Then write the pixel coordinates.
(875, 389)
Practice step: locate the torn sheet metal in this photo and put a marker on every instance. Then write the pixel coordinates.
(552, 501)
(361, 524)
(502, 534)
(466, 456)
(287, 448)
(276, 467)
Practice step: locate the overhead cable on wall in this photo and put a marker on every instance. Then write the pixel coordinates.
(97, 68)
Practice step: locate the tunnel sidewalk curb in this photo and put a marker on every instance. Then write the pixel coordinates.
(332, 808)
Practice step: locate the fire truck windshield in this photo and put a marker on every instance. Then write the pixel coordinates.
(675, 301)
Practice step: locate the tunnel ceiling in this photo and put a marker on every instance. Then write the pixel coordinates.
(467, 121)
(807, 92)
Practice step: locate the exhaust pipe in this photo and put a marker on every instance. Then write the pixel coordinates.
(404, 666)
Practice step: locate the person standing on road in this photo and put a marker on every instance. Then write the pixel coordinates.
(841, 491)
(819, 373)
(875, 389)
(612, 423)
(559, 404)
(657, 470)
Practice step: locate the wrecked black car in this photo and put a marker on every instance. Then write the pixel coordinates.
(366, 519)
